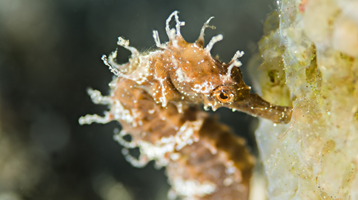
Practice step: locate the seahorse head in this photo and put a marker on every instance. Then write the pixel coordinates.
(195, 74)
(200, 78)
(184, 72)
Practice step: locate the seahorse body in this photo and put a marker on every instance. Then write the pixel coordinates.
(155, 97)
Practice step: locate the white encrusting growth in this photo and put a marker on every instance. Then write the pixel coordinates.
(235, 62)
(138, 69)
(157, 40)
(118, 136)
(206, 25)
(111, 61)
(114, 70)
(89, 119)
(140, 162)
(120, 113)
(97, 97)
(125, 43)
(204, 88)
(182, 76)
(117, 112)
(171, 32)
(213, 40)
(163, 99)
(185, 136)
(237, 55)
(191, 188)
(117, 69)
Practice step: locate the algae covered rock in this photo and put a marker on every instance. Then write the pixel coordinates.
(309, 59)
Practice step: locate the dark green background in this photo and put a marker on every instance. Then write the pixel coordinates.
(50, 53)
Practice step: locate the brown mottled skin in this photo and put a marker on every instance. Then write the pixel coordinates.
(196, 161)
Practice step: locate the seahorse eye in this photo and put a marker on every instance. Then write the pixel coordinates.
(224, 94)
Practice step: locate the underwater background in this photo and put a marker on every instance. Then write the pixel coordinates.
(50, 54)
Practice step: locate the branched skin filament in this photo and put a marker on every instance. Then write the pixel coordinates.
(155, 97)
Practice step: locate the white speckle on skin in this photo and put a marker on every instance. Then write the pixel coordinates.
(182, 76)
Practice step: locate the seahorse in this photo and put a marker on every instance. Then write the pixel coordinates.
(156, 98)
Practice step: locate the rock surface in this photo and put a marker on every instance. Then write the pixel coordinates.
(309, 54)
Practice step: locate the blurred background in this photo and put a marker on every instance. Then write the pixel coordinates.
(50, 53)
